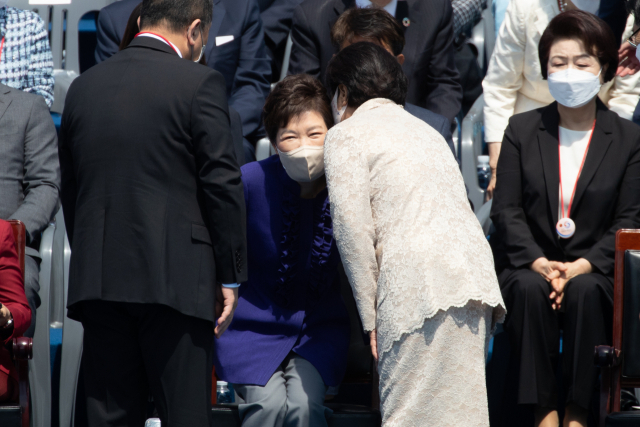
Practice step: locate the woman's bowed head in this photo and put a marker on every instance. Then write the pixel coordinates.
(382, 78)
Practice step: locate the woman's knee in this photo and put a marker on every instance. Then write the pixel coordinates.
(526, 286)
(583, 288)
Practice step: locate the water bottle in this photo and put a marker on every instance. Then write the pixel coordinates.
(484, 172)
(223, 392)
(152, 422)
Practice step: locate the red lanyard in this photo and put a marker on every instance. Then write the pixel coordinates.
(158, 35)
(1, 47)
(579, 172)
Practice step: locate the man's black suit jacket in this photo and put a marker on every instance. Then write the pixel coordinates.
(429, 53)
(151, 188)
(525, 205)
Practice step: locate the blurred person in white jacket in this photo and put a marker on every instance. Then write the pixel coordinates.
(514, 83)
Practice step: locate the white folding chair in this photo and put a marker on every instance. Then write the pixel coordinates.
(40, 364)
(287, 56)
(72, 338)
(471, 141)
(64, 39)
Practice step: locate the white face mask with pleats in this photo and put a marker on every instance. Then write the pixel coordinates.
(574, 88)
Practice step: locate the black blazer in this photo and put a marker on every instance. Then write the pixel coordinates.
(525, 206)
(429, 53)
(151, 188)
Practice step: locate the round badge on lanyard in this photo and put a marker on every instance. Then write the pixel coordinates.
(565, 227)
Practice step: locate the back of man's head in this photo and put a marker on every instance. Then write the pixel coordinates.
(368, 24)
(176, 15)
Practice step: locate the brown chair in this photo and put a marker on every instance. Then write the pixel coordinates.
(21, 349)
(620, 363)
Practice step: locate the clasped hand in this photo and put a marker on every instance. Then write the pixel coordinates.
(558, 274)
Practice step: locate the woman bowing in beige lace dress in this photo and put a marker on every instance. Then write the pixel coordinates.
(420, 267)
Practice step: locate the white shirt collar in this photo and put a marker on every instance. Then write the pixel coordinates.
(391, 7)
(153, 36)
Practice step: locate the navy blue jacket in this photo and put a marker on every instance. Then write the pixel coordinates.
(436, 121)
(243, 61)
(434, 81)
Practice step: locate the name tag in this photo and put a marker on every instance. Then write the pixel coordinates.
(220, 40)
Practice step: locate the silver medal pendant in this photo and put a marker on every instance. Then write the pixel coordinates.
(566, 228)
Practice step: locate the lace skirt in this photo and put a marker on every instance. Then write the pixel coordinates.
(435, 376)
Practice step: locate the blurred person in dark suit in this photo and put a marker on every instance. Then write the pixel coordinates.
(277, 18)
(429, 53)
(29, 176)
(236, 49)
(155, 214)
(379, 27)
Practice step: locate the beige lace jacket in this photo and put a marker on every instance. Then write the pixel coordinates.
(409, 241)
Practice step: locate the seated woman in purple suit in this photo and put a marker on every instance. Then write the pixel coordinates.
(289, 338)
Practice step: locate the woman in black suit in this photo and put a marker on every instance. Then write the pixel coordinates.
(568, 179)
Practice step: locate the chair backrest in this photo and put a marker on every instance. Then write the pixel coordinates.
(64, 39)
(20, 236)
(287, 56)
(618, 359)
(471, 140)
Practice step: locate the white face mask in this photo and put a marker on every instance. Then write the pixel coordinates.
(304, 164)
(574, 88)
(337, 114)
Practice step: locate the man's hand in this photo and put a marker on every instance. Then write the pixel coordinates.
(549, 270)
(627, 60)
(226, 303)
(373, 342)
(571, 270)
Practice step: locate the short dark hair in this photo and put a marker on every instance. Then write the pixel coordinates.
(368, 23)
(593, 32)
(176, 14)
(292, 97)
(368, 71)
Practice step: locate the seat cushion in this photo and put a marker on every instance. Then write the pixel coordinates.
(631, 319)
(10, 416)
(623, 419)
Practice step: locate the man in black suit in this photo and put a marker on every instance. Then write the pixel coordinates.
(236, 49)
(429, 54)
(154, 209)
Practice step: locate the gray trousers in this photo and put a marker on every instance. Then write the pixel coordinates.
(31, 289)
(293, 397)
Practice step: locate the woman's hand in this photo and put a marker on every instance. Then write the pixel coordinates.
(488, 195)
(549, 270)
(373, 342)
(494, 154)
(5, 315)
(628, 62)
(571, 270)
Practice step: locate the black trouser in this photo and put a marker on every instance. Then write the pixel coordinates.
(534, 332)
(133, 350)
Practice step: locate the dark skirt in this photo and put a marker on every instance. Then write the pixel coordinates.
(534, 333)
